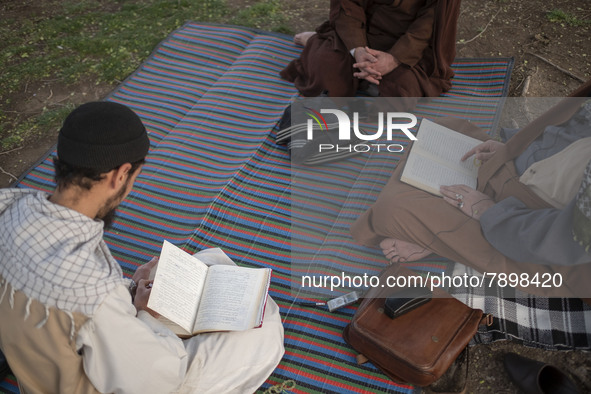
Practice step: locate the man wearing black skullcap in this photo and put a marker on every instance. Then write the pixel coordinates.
(99, 141)
(70, 322)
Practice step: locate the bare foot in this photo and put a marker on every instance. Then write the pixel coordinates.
(302, 38)
(400, 251)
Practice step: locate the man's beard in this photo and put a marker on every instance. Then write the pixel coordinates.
(108, 218)
(108, 211)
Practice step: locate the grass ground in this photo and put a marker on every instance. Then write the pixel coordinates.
(98, 42)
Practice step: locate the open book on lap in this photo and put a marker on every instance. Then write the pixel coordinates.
(434, 159)
(192, 297)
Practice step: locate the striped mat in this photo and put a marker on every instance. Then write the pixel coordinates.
(210, 97)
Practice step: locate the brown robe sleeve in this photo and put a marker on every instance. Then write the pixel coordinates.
(410, 46)
(349, 20)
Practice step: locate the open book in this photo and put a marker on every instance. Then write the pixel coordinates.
(192, 297)
(434, 159)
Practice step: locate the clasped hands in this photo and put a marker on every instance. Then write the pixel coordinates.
(373, 64)
(472, 202)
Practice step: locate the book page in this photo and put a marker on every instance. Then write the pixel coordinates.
(178, 285)
(430, 175)
(434, 159)
(233, 298)
(444, 145)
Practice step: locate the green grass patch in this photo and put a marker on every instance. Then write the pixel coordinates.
(69, 42)
(265, 14)
(566, 18)
(105, 40)
(36, 126)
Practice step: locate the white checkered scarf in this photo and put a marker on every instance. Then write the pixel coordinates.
(54, 254)
(551, 323)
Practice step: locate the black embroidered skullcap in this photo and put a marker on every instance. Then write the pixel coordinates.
(101, 136)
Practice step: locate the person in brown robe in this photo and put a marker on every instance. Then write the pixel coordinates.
(409, 224)
(404, 47)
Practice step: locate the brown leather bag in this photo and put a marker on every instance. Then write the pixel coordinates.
(418, 346)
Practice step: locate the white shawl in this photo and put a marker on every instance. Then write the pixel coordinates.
(54, 254)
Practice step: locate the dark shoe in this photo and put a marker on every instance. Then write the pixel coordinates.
(285, 121)
(536, 377)
(4, 368)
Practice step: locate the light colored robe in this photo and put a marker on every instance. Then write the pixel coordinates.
(104, 343)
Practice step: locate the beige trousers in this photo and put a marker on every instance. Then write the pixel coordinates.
(235, 362)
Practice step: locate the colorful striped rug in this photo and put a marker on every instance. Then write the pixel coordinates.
(210, 96)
